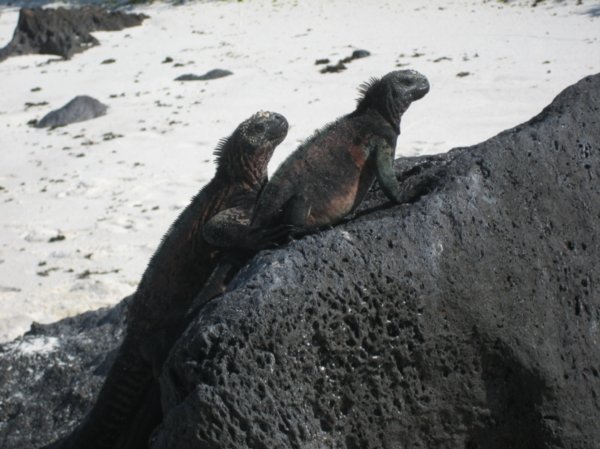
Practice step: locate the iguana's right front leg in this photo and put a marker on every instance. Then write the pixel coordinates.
(410, 188)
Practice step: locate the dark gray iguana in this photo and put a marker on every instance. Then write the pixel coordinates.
(128, 405)
(328, 176)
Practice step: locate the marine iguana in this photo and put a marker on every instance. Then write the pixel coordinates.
(176, 273)
(328, 176)
(330, 173)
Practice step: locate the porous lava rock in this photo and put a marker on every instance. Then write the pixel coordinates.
(467, 319)
(79, 109)
(64, 31)
(50, 377)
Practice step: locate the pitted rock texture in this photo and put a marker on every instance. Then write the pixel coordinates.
(63, 32)
(467, 319)
(50, 377)
(79, 109)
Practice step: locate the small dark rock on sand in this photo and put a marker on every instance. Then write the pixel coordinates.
(79, 109)
(341, 65)
(210, 75)
(357, 54)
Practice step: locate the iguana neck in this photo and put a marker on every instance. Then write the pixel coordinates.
(248, 170)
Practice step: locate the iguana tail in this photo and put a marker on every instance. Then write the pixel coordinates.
(123, 393)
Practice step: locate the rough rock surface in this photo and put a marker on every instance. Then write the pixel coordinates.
(64, 32)
(210, 75)
(468, 319)
(50, 376)
(79, 109)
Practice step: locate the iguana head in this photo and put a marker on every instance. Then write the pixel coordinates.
(392, 95)
(246, 153)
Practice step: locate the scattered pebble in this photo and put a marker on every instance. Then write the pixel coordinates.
(108, 61)
(87, 273)
(341, 65)
(334, 68)
(463, 74)
(111, 136)
(210, 75)
(57, 238)
(35, 105)
(46, 272)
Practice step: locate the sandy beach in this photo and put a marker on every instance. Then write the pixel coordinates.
(83, 207)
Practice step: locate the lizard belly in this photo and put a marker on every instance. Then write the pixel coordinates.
(332, 206)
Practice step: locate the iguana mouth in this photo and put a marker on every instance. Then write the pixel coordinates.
(280, 127)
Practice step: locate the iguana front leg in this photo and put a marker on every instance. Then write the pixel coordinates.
(231, 228)
(410, 188)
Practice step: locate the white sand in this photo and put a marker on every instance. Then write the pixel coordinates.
(113, 199)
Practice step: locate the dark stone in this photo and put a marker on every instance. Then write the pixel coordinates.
(167, 60)
(79, 109)
(64, 32)
(210, 75)
(322, 61)
(31, 104)
(334, 68)
(468, 319)
(358, 54)
(49, 377)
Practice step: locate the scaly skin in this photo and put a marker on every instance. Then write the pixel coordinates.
(128, 407)
(328, 176)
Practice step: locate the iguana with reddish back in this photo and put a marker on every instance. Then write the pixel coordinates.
(328, 176)
(128, 405)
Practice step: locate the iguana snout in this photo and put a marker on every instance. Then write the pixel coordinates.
(266, 126)
(407, 85)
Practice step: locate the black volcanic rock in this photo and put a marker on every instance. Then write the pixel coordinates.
(467, 319)
(64, 32)
(49, 377)
(79, 109)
